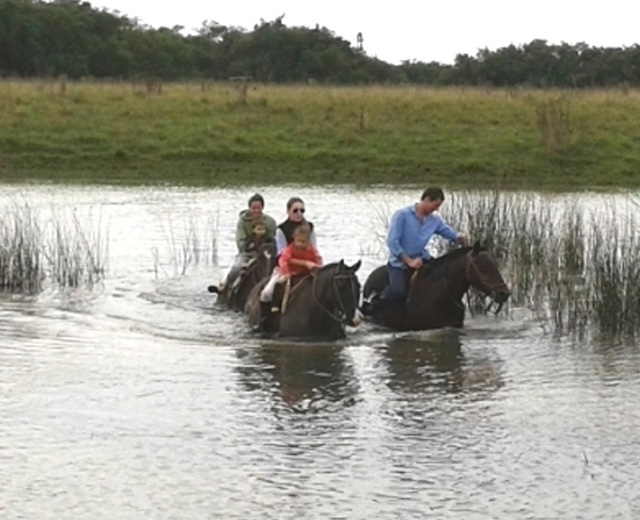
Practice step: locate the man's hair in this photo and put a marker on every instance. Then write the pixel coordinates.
(292, 201)
(433, 193)
(303, 230)
(256, 198)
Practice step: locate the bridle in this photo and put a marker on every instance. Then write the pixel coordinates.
(341, 315)
(489, 288)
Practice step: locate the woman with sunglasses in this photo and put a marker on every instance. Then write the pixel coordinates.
(295, 217)
(272, 294)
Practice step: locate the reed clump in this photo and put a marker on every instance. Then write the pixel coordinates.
(615, 257)
(186, 247)
(76, 256)
(60, 252)
(22, 268)
(577, 270)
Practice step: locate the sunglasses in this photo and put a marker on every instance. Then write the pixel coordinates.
(298, 210)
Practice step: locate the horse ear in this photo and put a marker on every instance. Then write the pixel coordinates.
(477, 247)
(341, 264)
(356, 266)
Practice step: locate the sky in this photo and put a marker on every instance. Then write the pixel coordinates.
(421, 30)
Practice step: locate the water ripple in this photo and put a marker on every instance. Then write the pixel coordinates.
(140, 398)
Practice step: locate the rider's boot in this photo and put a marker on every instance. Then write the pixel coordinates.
(371, 305)
(265, 315)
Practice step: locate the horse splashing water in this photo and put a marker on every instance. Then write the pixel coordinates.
(436, 290)
(234, 291)
(317, 307)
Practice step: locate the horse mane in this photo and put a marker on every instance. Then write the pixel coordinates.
(451, 255)
(326, 267)
(438, 263)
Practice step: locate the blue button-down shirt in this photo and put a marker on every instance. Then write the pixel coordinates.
(409, 234)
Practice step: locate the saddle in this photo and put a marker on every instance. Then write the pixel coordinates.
(244, 269)
(271, 311)
(413, 276)
(282, 292)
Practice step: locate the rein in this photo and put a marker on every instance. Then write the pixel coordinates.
(492, 287)
(339, 317)
(471, 266)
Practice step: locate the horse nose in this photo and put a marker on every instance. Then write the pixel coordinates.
(502, 296)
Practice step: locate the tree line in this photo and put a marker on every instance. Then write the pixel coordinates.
(71, 38)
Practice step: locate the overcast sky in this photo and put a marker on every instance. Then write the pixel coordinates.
(412, 30)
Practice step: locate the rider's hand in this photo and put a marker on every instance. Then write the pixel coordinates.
(414, 263)
(312, 266)
(462, 239)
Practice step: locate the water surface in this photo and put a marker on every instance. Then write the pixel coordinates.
(136, 398)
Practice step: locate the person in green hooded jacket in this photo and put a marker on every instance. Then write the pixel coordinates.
(248, 218)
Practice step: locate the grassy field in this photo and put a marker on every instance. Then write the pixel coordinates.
(223, 134)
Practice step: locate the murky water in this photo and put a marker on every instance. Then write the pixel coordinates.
(136, 399)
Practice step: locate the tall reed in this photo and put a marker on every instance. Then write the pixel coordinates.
(60, 251)
(187, 247)
(76, 255)
(21, 251)
(615, 257)
(578, 272)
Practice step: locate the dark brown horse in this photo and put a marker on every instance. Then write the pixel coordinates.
(318, 307)
(234, 291)
(436, 290)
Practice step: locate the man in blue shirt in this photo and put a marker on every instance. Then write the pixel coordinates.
(411, 229)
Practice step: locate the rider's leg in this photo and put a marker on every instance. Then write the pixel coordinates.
(278, 295)
(266, 295)
(398, 284)
(233, 277)
(395, 293)
(266, 299)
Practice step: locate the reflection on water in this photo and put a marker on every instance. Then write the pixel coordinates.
(138, 399)
(435, 361)
(303, 378)
(425, 364)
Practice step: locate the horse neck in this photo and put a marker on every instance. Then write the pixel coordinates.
(322, 287)
(262, 269)
(456, 275)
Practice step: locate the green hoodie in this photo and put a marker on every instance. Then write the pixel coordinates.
(245, 223)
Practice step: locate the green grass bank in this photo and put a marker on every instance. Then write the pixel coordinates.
(213, 134)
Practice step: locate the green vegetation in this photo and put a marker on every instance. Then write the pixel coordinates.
(71, 38)
(227, 133)
(577, 270)
(59, 251)
(186, 248)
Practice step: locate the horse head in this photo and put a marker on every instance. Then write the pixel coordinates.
(484, 276)
(336, 290)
